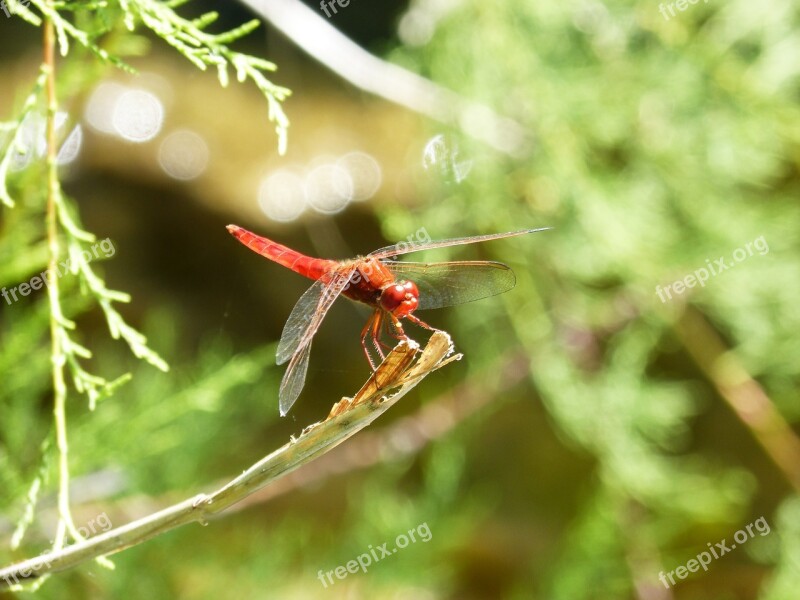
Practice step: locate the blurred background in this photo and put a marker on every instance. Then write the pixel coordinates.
(605, 425)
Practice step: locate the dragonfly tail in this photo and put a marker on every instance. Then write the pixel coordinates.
(313, 268)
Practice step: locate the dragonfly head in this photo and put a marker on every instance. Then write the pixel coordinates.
(400, 298)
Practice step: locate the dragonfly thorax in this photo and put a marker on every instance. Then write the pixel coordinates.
(400, 298)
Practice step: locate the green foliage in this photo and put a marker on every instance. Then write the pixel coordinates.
(79, 253)
(178, 414)
(659, 144)
(204, 50)
(12, 139)
(70, 248)
(202, 401)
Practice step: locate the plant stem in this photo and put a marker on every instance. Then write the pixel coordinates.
(742, 393)
(56, 318)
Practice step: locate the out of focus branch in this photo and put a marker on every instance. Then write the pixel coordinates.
(317, 37)
(743, 393)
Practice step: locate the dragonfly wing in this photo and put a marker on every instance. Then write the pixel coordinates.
(406, 247)
(458, 282)
(298, 321)
(295, 344)
(294, 379)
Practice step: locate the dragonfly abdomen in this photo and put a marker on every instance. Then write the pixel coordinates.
(313, 268)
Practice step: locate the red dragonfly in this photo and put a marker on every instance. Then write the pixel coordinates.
(395, 290)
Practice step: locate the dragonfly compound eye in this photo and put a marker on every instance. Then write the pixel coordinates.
(400, 298)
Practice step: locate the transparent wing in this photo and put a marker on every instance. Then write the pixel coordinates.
(450, 283)
(294, 379)
(295, 344)
(406, 247)
(298, 321)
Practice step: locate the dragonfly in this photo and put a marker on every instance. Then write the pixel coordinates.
(394, 289)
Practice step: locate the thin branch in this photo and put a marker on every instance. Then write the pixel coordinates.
(403, 368)
(57, 320)
(348, 60)
(743, 393)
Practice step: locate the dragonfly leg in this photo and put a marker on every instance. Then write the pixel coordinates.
(417, 321)
(391, 326)
(376, 333)
(396, 329)
(364, 333)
